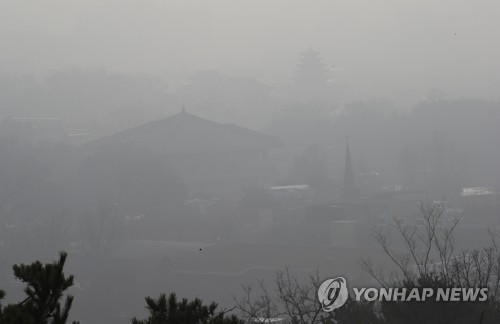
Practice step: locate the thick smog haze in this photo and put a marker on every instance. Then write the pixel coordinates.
(389, 49)
(238, 162)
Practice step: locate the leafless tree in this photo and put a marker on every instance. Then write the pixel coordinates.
(257, 308)
(430, 249)
(291, 299)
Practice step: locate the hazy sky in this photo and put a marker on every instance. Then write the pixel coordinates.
(387, 48)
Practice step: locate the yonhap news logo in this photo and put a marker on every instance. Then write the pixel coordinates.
(333, 294)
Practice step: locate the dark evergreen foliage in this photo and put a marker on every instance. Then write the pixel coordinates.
(171, 311)
(45, 286)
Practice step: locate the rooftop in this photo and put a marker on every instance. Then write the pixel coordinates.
(187, 133)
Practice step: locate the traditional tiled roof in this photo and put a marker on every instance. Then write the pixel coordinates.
(187, 133)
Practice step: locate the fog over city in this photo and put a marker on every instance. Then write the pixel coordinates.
(242, 152)
(391, 49)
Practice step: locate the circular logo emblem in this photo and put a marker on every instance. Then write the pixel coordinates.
(332, 293)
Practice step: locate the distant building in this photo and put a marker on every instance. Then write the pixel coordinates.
(349, 191)
(311, 77)
(209, 157)
(480, 205)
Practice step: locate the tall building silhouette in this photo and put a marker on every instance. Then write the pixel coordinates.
(349, 192)
(311, 77)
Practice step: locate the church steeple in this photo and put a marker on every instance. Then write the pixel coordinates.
(349, 191)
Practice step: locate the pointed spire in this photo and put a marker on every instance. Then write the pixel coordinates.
(183, 109)
(349, 190)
